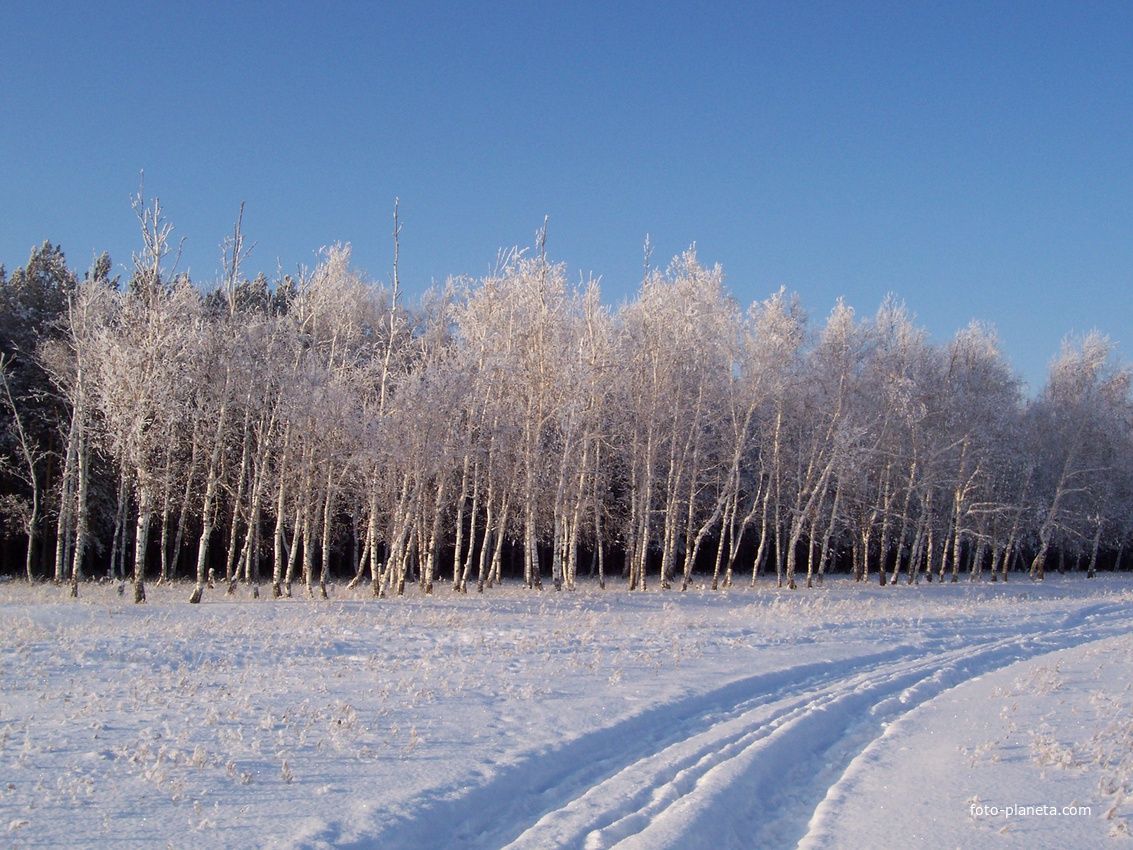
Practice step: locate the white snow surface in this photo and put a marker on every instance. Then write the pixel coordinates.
(848, 716)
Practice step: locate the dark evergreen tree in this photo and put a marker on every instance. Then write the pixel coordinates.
(33, 308)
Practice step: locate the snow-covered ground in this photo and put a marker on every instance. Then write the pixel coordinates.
(941, 716)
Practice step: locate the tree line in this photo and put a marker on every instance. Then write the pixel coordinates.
(282, 432)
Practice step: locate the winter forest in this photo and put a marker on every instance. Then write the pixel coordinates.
(320, 426)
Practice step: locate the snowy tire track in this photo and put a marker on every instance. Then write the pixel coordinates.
(743, 766)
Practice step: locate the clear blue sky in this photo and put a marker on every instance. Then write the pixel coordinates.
(975, 158)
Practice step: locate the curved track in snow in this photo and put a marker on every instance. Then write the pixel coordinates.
(740, 767)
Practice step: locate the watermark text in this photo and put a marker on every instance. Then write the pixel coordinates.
(987, 810)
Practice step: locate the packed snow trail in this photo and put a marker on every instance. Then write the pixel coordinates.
(741, 767)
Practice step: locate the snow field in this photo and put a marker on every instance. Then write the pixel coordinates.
(848, 716)
(1037, 754)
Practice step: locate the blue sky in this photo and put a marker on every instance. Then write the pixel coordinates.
(974, 158)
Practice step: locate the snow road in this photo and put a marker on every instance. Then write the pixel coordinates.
(749, 719)
(740, 767)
